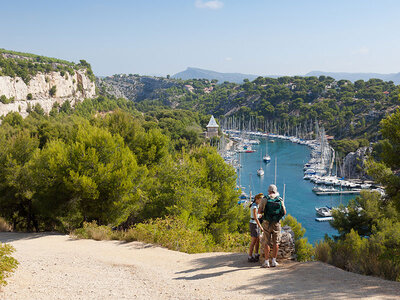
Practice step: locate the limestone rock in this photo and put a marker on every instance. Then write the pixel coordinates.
(354, 164)
(135, 88)
(71, 88)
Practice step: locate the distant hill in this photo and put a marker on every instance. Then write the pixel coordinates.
(196, 73)
(395, 77)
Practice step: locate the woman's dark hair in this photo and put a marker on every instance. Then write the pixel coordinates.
(258, 196)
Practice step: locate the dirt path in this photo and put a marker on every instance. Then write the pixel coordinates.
(58, 267)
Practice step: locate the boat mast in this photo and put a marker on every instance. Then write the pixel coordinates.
(284, 189)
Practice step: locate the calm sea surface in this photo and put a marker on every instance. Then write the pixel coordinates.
(300, 200)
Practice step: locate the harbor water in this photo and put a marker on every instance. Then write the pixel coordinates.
(300, 201)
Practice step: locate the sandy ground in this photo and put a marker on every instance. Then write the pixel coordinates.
(56, 266)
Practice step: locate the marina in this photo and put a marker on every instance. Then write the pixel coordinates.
(292, 156)
(350, 192)
(300, 200)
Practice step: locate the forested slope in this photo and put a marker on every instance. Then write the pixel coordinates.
(346, 109)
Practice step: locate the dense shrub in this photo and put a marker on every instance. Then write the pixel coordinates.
(93, 231)
(38, 109)
(53, 91)
(346, 146)
(234, 242)
(304, 250)
(7, 263)
(5, 100)
(378, 255)
(298, 230)
(369, 240)
(172, 233)
(323, 251)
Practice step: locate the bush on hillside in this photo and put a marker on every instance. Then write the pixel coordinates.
(234, 242)
(172, 233)
(378, 255)
(93, 231)
(323, 251)
(5, 100)
(53, 91)
(303, 249)
(7, 263)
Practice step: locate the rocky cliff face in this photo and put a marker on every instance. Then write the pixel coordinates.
(135, 88)
(354, 164)
(68, 87)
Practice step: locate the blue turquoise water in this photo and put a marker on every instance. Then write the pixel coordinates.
(299, 199)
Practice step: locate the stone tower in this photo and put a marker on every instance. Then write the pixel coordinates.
(212, 128)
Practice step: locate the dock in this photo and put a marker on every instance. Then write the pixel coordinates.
(353, 192)
(324, 219)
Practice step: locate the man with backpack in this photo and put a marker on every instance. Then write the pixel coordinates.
(273, 208)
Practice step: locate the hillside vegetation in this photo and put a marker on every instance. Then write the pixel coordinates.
(369, 226)
(27, 65)
(107, 163)
(346, 109)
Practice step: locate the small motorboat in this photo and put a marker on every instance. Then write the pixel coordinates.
(324, 211)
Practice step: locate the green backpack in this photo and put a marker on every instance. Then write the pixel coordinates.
(273, 210)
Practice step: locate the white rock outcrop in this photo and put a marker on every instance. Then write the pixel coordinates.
(72, 88)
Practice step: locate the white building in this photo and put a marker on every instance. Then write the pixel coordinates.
(212, 128)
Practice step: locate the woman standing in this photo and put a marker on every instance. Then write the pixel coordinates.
(254, 230)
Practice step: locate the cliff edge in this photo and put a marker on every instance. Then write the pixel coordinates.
(27, 80)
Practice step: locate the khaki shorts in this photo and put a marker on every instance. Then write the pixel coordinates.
(272, 233)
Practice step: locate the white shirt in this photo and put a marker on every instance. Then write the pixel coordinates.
(254, 206)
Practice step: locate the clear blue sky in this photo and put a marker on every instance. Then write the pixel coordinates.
(166, 36)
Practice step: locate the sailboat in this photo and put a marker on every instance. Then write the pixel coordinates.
(266, 157)
(260, 171)
(243, 196)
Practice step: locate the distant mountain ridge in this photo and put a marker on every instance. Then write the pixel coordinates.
(395, 77)
(197, 73)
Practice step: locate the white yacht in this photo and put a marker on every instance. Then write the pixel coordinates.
(266, 157)
(324, 211)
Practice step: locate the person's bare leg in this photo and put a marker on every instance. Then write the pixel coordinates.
(266, 252)
(275, 250)
(257, 246)
(253, 242)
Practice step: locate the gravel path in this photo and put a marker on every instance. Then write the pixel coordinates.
(55, 266)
